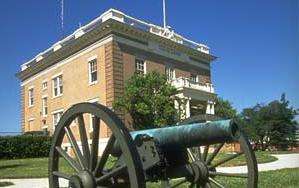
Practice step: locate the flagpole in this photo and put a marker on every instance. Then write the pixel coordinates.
(164, 15)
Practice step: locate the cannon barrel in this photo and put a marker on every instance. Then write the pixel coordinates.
(189, 135)
(192, 135)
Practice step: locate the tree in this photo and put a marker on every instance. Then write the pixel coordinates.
(271, 125)
(149, 101)
(224, 109)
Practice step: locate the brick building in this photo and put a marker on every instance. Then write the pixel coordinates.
(93, 63)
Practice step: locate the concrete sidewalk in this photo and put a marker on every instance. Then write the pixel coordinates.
(31, 183)
(284, 161)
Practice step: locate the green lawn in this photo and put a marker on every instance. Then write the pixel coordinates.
(262, 157)
(286, 178)
(38, 167)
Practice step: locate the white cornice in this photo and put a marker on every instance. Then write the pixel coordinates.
(69, 59)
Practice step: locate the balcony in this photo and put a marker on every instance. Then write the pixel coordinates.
(181, 83)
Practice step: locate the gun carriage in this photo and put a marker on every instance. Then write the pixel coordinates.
(183, 152)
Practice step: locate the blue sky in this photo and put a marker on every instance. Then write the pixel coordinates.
(256, 42)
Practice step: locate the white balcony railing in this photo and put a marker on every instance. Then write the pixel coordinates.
(182, 82)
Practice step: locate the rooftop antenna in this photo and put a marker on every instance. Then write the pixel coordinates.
(164, 15)
(62, 17)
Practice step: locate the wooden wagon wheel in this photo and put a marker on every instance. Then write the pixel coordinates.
(209, 159)
(88, 169)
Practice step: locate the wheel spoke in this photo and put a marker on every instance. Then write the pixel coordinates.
(226, 159)
(228, 174)
(216, 183)
(179, 183)
(95, 143)
(208, 185)
(68, 159)
(75, 147)
(205, 153)
(198, 149)
(191, 154)
(112, 173)
(105, 155)
(83, 136)
(61, 175)
(215, 152)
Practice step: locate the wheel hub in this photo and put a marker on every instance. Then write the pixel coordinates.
(201, 172)
(83, 179)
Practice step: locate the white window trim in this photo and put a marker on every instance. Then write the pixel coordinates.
(53, 77)
(43, 114)
(144, 64)
(94, 100)
(29, 103)
(89, 72)
(92, 58)
(55, 112)
(31, 119)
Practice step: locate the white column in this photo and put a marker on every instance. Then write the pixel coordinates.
(210, 107)
(187, 108)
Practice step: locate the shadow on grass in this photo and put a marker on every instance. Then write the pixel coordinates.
(5, 183)
(2, 167)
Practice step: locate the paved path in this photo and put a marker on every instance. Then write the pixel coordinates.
(31, 183)
(284, 161)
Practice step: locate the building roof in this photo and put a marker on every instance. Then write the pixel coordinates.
(100, 24)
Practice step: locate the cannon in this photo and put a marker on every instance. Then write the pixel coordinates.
(172, 156)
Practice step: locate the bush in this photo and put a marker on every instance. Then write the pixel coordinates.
(24, 146)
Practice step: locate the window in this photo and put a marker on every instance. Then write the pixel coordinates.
(45, 106)
(30, 124)
(57, 86)
(93, 71)
(139, 66)
(56, 117)
(44, 85)
(170, 74)
(30, 97)
(193, 78)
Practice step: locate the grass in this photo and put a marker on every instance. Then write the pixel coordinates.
(261, 157)
(38, 167)
(32, 168)
(285, 178)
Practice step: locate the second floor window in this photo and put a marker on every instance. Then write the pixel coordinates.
(139, 66)
(170, 74)
(193, 78)
(44, 85)
(57, 86)
(30, 96)
(93, 71)
(45, 106)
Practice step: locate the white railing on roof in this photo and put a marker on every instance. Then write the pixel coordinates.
(121, 17)
(183, 82)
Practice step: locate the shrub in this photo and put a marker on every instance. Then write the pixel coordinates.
(24, 146)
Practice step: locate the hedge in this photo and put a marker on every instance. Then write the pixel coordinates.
(24, 146)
